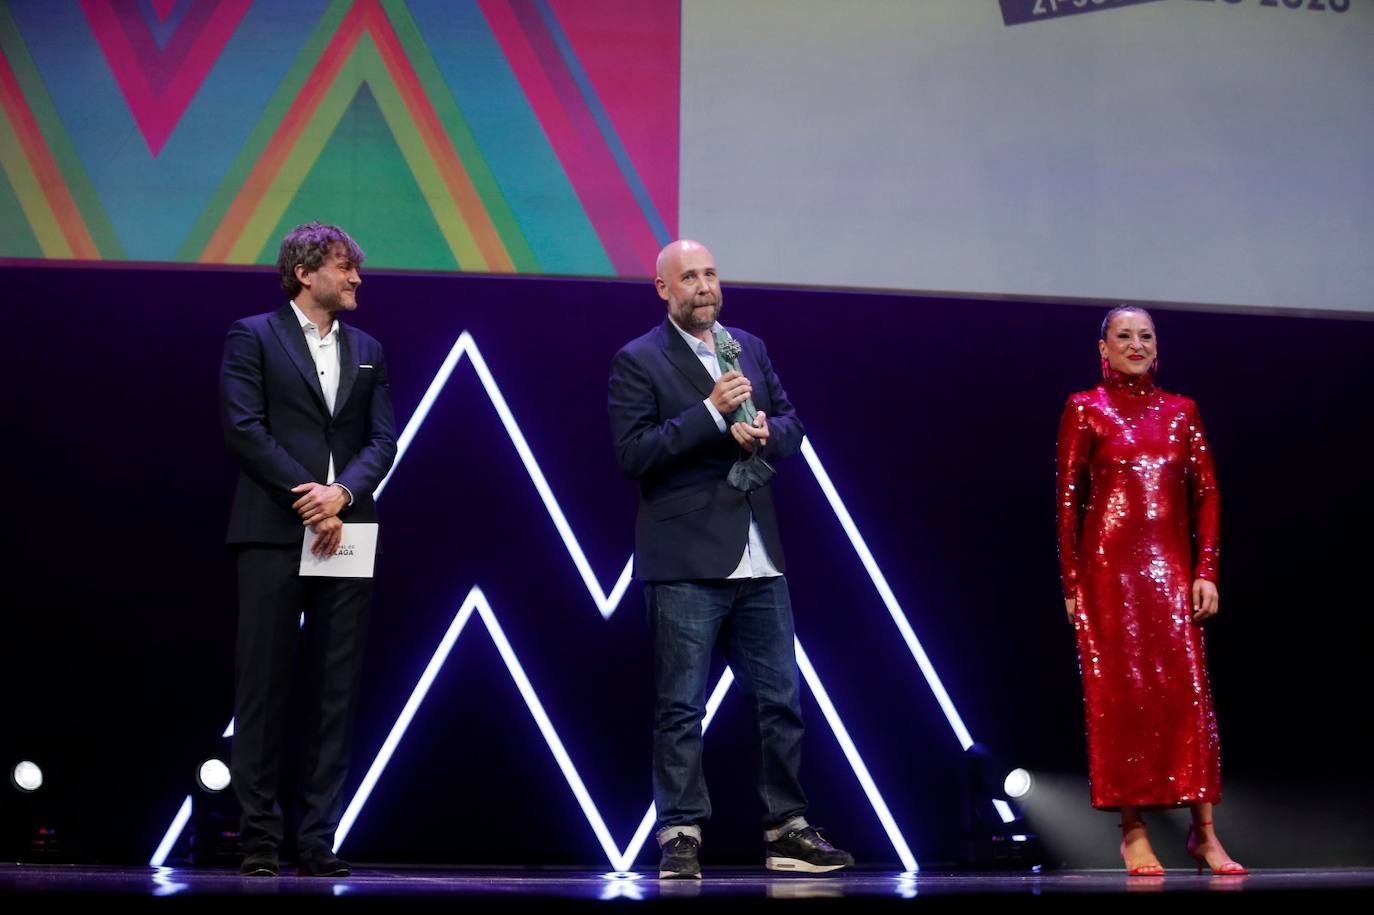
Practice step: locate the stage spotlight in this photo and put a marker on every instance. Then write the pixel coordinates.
(35, 818)
(212, 833)
(996, 833)
(1017, 784)
(212, 776)
(26, 776)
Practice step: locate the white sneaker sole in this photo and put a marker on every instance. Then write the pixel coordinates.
(796, 864)
(674, 875)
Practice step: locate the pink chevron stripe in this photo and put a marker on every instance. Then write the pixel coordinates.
(572, 132)
(164, 8)
(157, 109)
(631, 52)
(603, 182)
(161, 65)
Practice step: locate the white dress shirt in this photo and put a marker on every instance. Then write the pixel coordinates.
(755, 562)
(325, 351)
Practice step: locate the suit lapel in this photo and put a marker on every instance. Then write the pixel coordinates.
(293, 341)
(682, 357)
(348, 369)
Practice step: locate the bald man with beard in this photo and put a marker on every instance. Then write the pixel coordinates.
(710, 556)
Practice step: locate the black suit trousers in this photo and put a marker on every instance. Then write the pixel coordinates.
(272, 598)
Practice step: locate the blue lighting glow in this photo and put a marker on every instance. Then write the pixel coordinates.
(169, 838)
(622, 889)
(167, 885)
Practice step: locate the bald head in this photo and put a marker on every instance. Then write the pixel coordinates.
(672, 253)
(686, 279)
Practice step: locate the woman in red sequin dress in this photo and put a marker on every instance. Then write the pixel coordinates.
(1138, 524)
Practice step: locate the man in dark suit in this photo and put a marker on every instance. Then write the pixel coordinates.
(708, 549)
(307, 414)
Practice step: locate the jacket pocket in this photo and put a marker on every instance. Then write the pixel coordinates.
(679, 505)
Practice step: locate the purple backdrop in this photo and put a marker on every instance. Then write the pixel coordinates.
(936, 420)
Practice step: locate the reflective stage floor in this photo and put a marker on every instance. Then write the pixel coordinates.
(461, 889)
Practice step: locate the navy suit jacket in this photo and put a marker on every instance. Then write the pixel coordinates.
(691, 523)
(277, 425)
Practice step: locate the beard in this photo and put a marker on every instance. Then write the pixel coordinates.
(336, 300)
(690, 317)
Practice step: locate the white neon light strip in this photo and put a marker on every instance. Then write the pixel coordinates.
(646, 825)
(398, 730)
(1003, 810)
(606, 605)
(621, 861)
(477, 601)
(166, 885)
(894, 609)
(856, 762)
(169, 838)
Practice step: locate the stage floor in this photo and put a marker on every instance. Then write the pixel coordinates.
(576, 889)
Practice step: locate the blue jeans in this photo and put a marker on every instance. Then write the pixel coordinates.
(751, 619)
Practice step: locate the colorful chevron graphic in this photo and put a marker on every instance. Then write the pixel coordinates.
(493, 136)
(159, 81)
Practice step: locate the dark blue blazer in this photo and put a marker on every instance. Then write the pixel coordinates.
(277, 425)
(691, 523)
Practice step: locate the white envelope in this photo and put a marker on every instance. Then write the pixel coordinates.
(353, 559)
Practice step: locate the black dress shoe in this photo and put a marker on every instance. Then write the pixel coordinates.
(259, 864)
(322, 863)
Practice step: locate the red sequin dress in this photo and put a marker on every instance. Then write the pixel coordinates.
(1138, 519)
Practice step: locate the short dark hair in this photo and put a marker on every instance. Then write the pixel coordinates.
(1122, 309)
(308, 245)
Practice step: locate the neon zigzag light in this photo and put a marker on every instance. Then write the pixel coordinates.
(621, 861)
(607, 604)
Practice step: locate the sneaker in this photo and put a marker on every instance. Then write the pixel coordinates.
(679, 858)
(259, 863)
(806, 851)
(322, 863)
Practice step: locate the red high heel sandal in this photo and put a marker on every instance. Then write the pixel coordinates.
(1144, 870)
(1228, 867)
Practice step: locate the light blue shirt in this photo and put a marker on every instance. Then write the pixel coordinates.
(755, 562)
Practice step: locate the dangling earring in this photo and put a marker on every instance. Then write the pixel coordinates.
(1106, 370)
